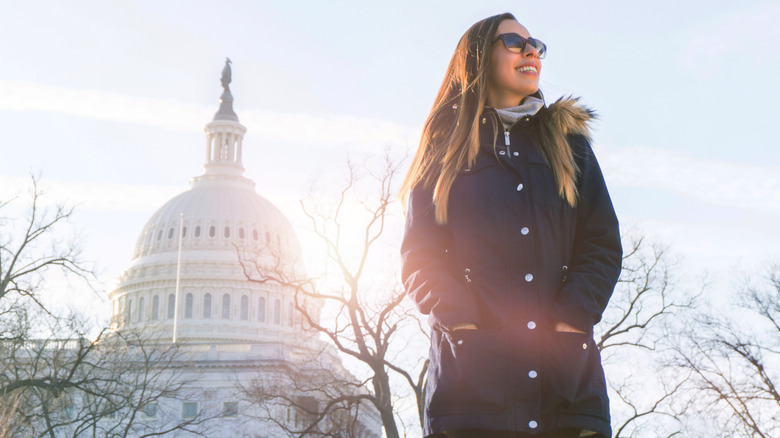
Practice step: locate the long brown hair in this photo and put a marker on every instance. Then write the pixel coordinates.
(450, 136)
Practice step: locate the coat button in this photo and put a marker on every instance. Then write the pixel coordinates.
(533, 424)
(584, 346)
(515, 153)
(532, 374)
(529, 277)
(484, 120)
(520, 187)
(524, 230)
(501, 152)
(460, 341)
(531, 325)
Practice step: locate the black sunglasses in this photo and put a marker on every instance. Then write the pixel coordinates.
(516, 44)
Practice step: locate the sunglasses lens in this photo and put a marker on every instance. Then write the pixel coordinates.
(514, 43)
(541, 49)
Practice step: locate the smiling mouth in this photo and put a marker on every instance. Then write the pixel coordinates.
(527, 69)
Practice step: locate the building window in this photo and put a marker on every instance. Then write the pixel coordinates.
(240, 233)
(170, 233)
(227, 231)
(267, 238)
(277, 312)
(226, 306)
(188, 306)
(207, 306)
(230, 409)
(150, 410)
(197, 231)
(189, 409)
(64, 405)
(306, 412)
(244, 308)
(261, 309)
(171, 305)
(290, 314)
(141, 309)
(184, 232)
(212, 231)
(159, 235)
(129, 310)
(254, 234)
(155, 307)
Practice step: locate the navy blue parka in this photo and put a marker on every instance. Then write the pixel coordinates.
(513, 258)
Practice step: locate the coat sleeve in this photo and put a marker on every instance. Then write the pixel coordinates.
(597, 253)
(424, 271)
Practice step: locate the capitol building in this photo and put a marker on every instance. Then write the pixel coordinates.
(186, 286)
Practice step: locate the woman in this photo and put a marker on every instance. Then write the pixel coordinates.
(511, 247)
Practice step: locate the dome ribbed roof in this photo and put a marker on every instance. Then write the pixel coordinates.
(228, 231)
(218, 213)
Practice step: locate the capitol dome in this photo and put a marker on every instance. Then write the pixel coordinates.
(187, 285)
(217, 213)
(225, 227)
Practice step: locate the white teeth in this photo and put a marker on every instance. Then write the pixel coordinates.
(527, 68)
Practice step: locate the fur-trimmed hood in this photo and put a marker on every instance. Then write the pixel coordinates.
(569, 116)
(514, 257)
(552, 129)
(566, 116)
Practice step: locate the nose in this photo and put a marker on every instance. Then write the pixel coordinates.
(530, 52)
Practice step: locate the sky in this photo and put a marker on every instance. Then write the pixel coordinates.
(107, 102)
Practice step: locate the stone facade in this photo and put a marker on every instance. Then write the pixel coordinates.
(193, 292)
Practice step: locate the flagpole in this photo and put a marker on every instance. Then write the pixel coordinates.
(178, 279)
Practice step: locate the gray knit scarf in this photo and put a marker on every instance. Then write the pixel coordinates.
(528, 107)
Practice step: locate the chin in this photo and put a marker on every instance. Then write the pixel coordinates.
(527, 92)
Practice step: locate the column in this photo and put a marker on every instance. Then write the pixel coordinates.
(240, 146)
(209, 138)
(231, 147)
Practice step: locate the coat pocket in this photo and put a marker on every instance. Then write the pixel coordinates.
(575, 379)
(470, 373)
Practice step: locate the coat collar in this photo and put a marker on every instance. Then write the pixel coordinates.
(566, 116)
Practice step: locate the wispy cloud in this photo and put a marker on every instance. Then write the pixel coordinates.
(755, 188)
(741, 41)
(91, 196)
(276, 127)
(100, 105)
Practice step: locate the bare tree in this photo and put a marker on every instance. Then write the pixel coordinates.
(57, 378)
(370, 322)
(30, 248)
(631, 338)
(734, 360)
(311, 398)
(117, 385)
